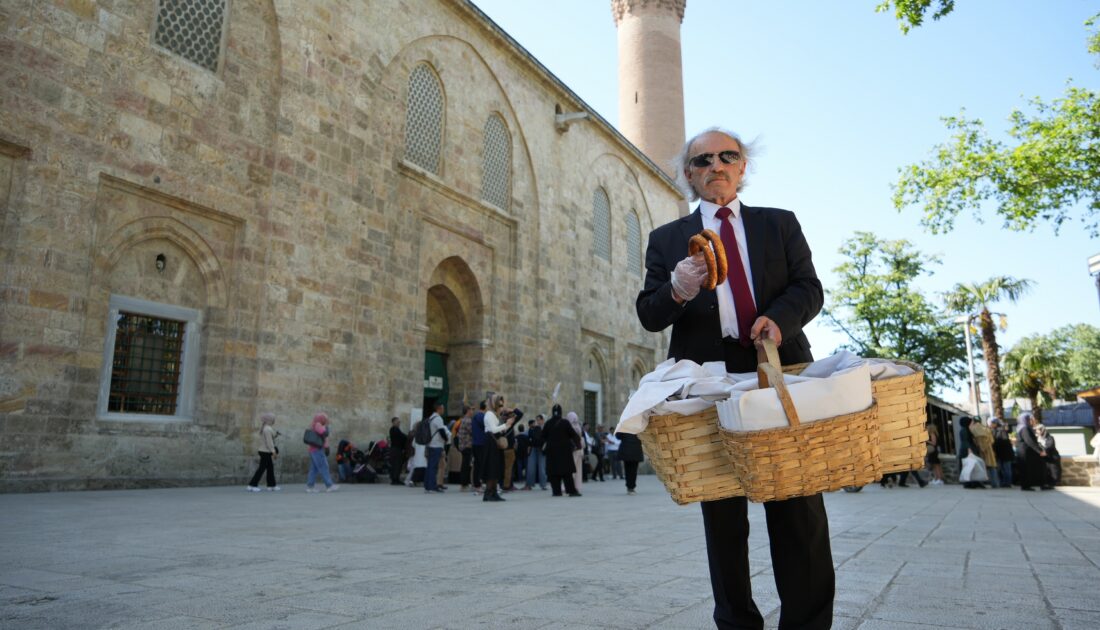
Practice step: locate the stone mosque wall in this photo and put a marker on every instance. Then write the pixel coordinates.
(285, 214)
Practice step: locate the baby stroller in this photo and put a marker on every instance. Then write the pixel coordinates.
(378, 456)
(361, 469)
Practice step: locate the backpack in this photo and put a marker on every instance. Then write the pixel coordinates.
(423, 432)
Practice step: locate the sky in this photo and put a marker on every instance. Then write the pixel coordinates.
(838, 99)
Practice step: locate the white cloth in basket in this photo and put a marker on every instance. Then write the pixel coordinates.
(685, 387)
(843, 392)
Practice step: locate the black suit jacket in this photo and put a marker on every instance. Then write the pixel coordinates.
(784, 283)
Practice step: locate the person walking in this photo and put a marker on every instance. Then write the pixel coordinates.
(967, 447)
(771, 290)
(932, 454)
(398, 444)
(480, 448)
(268, 453)
(579, 450)
(630, 454)
(614, 463)
(983, 439)
(1029, 452)
(599, 447)
(561, 440)
(434, 447)
(465, 445)
(495, 430)
(536, 457)
(1002, 450)
(318, 456)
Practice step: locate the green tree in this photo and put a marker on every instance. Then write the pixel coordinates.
(883, 315)
(1036, 368)
(910, 13)
(1080, 344)
(1049, 167)
(970, 297)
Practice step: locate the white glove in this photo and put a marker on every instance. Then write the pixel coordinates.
(689, 274)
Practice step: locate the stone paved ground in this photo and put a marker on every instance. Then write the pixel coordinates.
(392, 557)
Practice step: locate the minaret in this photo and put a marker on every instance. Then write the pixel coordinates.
(651, 80)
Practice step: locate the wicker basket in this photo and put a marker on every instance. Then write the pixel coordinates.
(804, 459)
(687, 454)
(902, 415)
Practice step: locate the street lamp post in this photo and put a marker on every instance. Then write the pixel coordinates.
(1094, 271)
(965, 321)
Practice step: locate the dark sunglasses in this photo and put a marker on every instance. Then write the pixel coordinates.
(704, 160)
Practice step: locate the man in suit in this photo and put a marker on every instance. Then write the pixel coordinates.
(772, 291)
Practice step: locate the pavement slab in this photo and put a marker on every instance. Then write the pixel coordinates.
(381, 556)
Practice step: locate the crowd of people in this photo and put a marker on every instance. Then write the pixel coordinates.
(489, 451)
(1026, 457)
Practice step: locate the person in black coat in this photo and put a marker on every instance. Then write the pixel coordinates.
(560, 440)
(630, 454)
(1032, 453)
(771, 291)
(398, 442)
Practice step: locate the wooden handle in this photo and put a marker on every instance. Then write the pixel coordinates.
(770, 374)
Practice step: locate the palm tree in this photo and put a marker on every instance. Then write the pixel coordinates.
(965, 298)
(1034, 368)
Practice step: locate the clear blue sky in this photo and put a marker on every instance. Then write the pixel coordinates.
(839, 100)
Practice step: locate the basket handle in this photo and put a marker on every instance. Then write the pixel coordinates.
(770, 374)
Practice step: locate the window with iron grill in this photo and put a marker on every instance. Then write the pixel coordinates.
(192, 29)
(424, 119)
(496, 175)
(145, 372)
(601, 224)
(633, 243)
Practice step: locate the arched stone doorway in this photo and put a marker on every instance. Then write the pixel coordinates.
(454, 344)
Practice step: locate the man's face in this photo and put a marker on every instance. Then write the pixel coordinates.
(717, 182)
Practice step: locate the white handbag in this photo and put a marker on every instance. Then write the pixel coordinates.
(973, 469)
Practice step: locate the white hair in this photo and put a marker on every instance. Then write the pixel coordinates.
(680, 161)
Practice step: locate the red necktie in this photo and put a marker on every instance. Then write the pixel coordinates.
(737, 279)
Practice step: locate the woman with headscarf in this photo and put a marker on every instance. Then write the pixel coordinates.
(578, 450)
(1052, 461)
(494, 457)
(983, 441)
(318, 456)
(559, 440)
(1030, 452)
(967, 447)
(268, 453)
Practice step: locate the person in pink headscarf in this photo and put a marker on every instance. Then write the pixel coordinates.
(578, 453)
(318, 456)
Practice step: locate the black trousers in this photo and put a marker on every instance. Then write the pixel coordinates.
(556, 481)
(802, 559)
(397, 464)
(467, 464)
(631, 470)
(266, 465)
(597, 473)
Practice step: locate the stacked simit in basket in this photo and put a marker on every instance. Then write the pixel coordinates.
(698, 460)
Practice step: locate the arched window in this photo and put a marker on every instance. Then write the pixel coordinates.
(601, 224)
(633, 243)
(496, 173)
(424, 119)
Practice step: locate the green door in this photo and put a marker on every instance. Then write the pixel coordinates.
(435, 379)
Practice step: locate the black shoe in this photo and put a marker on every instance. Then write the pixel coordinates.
(494, 498)
(1046, 487)
(1028, 489)
(575, 494)
(556, 494)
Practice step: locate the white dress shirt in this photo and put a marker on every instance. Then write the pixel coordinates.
(727, 312)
